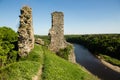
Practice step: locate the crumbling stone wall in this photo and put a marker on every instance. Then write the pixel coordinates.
(25, 32)
(56, 33)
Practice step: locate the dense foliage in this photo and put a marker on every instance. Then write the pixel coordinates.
(64, 53)
(108, 44)
(8, 46)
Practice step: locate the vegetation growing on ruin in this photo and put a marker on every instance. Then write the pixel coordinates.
(64, 53)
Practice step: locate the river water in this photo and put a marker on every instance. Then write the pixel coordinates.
(92, 64)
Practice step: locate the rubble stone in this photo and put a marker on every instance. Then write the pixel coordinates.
(39, 41)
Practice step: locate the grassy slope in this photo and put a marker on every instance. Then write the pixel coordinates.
(26, 68)
(54, 68)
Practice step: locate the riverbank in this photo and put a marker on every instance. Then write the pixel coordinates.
(85, 58)
(109, 65)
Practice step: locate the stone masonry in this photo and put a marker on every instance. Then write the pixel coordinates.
(25, 32)
(56, 33)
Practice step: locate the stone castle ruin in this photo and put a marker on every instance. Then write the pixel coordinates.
(56, 34)
(25, 32)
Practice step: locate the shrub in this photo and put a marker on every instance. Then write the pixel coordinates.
(8, 50)
(64, 53)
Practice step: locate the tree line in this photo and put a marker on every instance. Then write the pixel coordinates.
(108, 44)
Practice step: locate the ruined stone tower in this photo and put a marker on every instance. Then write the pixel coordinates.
(25, 32)
(56, 33)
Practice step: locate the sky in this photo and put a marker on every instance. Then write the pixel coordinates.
(80, 16)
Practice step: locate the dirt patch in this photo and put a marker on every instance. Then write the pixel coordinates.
(38, 75)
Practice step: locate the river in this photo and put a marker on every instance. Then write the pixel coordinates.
(92, 64)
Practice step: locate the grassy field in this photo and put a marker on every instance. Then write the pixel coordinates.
(54, 67)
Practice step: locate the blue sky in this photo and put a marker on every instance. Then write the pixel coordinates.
(80, 16)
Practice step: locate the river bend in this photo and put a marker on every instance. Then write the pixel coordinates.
(92, 64)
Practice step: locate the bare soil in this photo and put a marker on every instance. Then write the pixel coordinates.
(38, 75)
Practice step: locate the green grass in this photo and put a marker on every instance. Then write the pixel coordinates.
(24, 69)
(20, 71)
(56, 68)
(110, 60)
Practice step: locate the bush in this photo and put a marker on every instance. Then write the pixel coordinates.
(8, 50)
(64, 53)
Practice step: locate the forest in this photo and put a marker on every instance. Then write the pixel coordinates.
(100, 44)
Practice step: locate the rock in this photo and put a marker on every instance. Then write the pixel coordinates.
(39, 41)
(25, 32)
